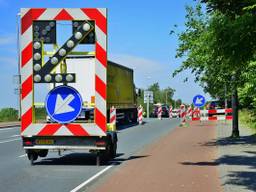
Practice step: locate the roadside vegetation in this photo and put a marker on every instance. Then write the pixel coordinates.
(218, 45)
(8, 114)
(164, 96)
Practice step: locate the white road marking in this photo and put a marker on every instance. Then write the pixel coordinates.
(8, 141)
(15, 136)
(91, 179)
(6, 129)
(23, 155)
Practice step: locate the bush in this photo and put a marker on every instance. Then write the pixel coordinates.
(248, 118)
(8, 114)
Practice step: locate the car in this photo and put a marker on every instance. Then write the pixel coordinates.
(175, 113)
(165, 111)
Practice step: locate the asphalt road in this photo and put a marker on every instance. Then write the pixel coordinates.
(67, 172)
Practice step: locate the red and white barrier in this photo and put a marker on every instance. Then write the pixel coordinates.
(140, 114)
(113, 115)
(170, 112)
(159, 112)
(183, 113)
(189, 112)
(204, 115)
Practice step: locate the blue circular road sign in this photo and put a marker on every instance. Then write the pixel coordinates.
(63, 104)
(199, 101)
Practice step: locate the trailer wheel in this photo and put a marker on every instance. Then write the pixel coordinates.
(43, 153)
(32, 156)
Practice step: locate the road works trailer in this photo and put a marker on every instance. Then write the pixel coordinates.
(79, 81)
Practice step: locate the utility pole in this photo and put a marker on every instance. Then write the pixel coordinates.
(148, 106)
(18, 54)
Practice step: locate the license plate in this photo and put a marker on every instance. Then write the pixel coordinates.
(44, 141)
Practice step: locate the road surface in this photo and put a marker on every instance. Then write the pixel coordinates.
(72, 170)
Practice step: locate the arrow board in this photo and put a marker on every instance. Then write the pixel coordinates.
(63, 104)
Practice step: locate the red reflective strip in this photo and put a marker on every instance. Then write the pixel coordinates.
(100, 87)
(101, 55)
(26, 54)
(195, 118)
(229, 117)
(77, 130)
(49, 130)
(27, 19)
(63, 15)
(211, 111)
(26, 119)
(96, 15)
(212, 118)
(26, 87)
(100, 120)
(228, 110)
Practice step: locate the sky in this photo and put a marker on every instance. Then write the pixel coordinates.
(138, 37)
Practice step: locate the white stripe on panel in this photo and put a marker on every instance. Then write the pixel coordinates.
(100, 71)
(26, 103)
(100, 103)
(77, 14)
(101, 37)
(49, 14)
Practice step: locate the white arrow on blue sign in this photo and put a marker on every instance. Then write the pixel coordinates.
(63, 104)
(199, 101)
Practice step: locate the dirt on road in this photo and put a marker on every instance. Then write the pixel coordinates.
(180, 161)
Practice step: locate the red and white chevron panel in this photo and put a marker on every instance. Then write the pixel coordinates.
(112, 115)
(170, 112)
(28, 127)
(159, 112)
(140, 114)
(189, 111)
(203, 115)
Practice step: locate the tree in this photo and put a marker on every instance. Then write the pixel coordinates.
(213, 45)
(8, 114)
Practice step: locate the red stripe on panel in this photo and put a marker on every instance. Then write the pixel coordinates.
(26, 54)
(77, 130)
(26, 119)
(26, 87)
(212, 118)
(101, 55)
(96, 15)
(63, 15)
(27, 19)
(100, 120)
(211, 111)
(100, 87)
(49, 130)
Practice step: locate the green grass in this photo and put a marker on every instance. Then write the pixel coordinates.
(248, 119)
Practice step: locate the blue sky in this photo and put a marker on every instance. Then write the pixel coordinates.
(138, 37)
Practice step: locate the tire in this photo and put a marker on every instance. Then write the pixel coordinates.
(113, 149)
(43, 153)
(32, 156)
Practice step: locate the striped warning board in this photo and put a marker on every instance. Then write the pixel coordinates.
(212, 115)
(33, 71)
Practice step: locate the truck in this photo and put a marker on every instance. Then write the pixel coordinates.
(62, 64)
(121, 94)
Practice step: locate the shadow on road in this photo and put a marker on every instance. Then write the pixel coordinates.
(79, 159)
(243, 140)
(247, 179)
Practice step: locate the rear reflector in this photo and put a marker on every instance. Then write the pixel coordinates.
(100, 143)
